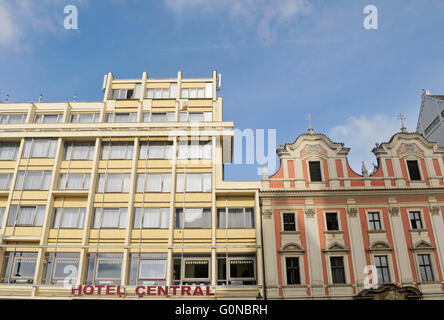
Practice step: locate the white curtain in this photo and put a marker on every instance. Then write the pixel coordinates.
(235, 218)
(154, 183)
(8, 151)
(208, 116)
(143, 150)
(151, 218)
(110, 218)
(150, 93)
(4, 181)
(101, 184)
(81, 151)
(26, 216)
(194, 182)
(165, 218)
(137, 218)
(56, 219)
(206, 182)
(140, 182)
(75, 181)
(156, 150)
(70, 218)
(46, 180)
(193, 217)
(180, 182)
(166, 186)
(173, 90)
(184, 93)
(122, 220)
(158, 117)
(39, 216)
(114, 183)
(40, 149)
(196, 117)
(33, 180)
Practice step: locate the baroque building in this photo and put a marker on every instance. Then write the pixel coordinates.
(329, 231)
(126, 193)
(431, 117)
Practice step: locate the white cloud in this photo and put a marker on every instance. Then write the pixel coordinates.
(20, 20)
(361, 133)
(265, 15)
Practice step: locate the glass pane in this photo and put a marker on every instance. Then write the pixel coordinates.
(194, 182)
(152, 269)
(242, 268)
(70, 217)
(24, 268)
(154, 183)
(235, 218)
(109, 268)
(196, 269)
(193, 218)
(26, 216)
(110, 218)
(151, 218)
(64, 268)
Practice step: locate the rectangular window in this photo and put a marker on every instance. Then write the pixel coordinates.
(193, 93)
(415, 220)
(123, 94)
(193, 182)
(114, 182)
(315, 171)
(237, 218)
(241, 270)
(148, 269)
(374, 221)
(33, 180)
(425, 267)
(121, 117)
(194, 150)
(156, 150)
(9, 151)
(2, 214)
(162, 93)
(293, 272)
(159, 117)
(382, 267)
(154, 182)
(104, 269)
(39, 148)
(111, 218)
(332, 221)
(414, 172)
(74, 181)
(26, 216)
(85, 117)
(194, 218)
(117, 151)
(289, 222)
(19, 267)
(49, 118)
(69, 218)
(151, 218)
(5, 181)
(337, 269)
(61, 268)
(196, 116)
(13, 118)
(196, 270)
(79, 150)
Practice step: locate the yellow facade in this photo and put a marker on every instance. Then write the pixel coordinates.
(94, 193)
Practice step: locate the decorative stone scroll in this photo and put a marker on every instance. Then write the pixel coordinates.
(310, 212)
(267, 213)
(352, 212)
(435, 210)
(394, 211)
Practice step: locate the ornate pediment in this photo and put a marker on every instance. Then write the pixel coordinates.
(390, 292)
(311, 149)
(421, 245)
(407, 148)
(380, 246)
(292, 247)
(336, 247)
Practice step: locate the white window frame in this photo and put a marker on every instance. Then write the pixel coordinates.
(183, 266)
(338, 215)
(181, 223)
(315, 159)
(5, 118)
(432, 265)
(122, 94)
(164, 187)
(418, 162)
(169, 116)
(296, 226)
(8, 179)
(65, 178)
(186, 93)
(167, 152)
(300, 256)
(61, 280)
(185, 187)
(40, 117)
(219, 210)
(22, 180)
(28, 152)
(15, 145)
(190, 150)
(164, 217)
(34, 216)
(75, 117)
(421, 216)
(111, 117)
(108, 155)
(124, 187)
(123, 215)
(381, 220)
(57, 222)
(71, 145)
(389, 263)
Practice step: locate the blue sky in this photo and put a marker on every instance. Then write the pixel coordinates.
(279, 59)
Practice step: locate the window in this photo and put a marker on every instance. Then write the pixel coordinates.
(61, 268)
(196, 116)
(114, 182)
(74, 181)
(194, 149)
(159, 117)
(425, 267)
(148, 269)
(12, 118)
(332, 221)
(5, 181)
(39, 148)
(123, 94)
(315, 171)
(19, 267)
(194, 182)
(85, 117)
(79, 150)
(154, 182)
(415, 219)
(69, 218)
(162, 93)
(26, 216)
(117, 151)
(104, 268)
(337, 269)
(414, 172)
(237, 218)
(156, 150)
(289, 222)
(2, 214)
(111, 218)
(196, 270)
(49, 118)
(33, 180)
(9, 150)
(374, 221)
(194, 218)
(121, 117)
(293, 272)
(382, 268)
(192, 93)
(151, 218)
(241, 270)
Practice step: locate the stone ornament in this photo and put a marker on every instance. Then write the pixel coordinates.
(267, 213)
(310, 212)
(352, 212)
(435, 210)
(394, 211)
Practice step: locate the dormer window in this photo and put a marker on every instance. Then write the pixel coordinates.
(315, 171)
(413, 167)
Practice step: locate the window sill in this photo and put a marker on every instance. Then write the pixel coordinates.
(428, 282)
(333, 232)
(339, 285)
(418, 230)
(290, 232)
(377, 231)
(294, 286)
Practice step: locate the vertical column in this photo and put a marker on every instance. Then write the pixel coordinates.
(129, 221)
(259, 257)
(109, 81)
(169, 279)
(89, 213)
(270, 253)
(213, 214)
